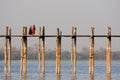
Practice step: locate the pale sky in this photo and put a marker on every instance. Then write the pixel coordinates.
(63, 14)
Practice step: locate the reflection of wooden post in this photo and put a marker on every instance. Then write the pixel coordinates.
(39, 51)
(91, 77)
(43, 50)
(75, 31)
(108, 55)
(24, 51)
(91, 58)
(5, 52)
(58, 51)
(108, 76)
(9, 53)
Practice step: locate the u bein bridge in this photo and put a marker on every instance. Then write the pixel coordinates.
(41, 48)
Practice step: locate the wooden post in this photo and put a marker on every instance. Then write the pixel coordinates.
(72, 49)
(9, 53)
(21, 59)
(91, 57)
(58, 52)
(24, 51)
(39, 50)
(5, 52)
(108, 55)
(43, 50)
(75, 31)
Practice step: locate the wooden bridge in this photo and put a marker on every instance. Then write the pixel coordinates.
(41, 42)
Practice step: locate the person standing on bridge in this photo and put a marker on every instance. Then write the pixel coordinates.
(32, 30)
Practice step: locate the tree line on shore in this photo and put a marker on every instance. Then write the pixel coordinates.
(32, 54)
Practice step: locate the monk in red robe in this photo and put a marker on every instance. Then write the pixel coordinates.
(32, 30)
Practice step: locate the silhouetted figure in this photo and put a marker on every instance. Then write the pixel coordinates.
(32, 30)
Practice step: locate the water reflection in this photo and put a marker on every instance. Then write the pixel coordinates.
(58, 77)
(108, 76)
(23, 77)
(7, 77)
(73, 77)
(91, 77)
(41, 76)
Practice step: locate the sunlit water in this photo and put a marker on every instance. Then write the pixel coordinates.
(66, 71)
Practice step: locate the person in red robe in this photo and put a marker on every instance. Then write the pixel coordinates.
(32, 30)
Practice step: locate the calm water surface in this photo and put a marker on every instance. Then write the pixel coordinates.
(66, 71)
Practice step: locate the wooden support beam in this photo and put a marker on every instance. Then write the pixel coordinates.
(39, 46)
(74, 45)
(58, 52)
(108, 54)
(91, 56)
(9, 53)
(43, 50)
(24, 51)
(5, 52)
(59, 55)
(72, 50)
(21, 59)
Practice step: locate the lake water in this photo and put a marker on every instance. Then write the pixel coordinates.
(66, 71)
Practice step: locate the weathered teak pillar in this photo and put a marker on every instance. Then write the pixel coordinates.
(43, 50)
(72, 49)
(91, 56)
(58, 52)
(5, 52)
(108, 55)
(74, 45)
(21, 59)
(39, 50)
(24, 51)
(9, 53)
